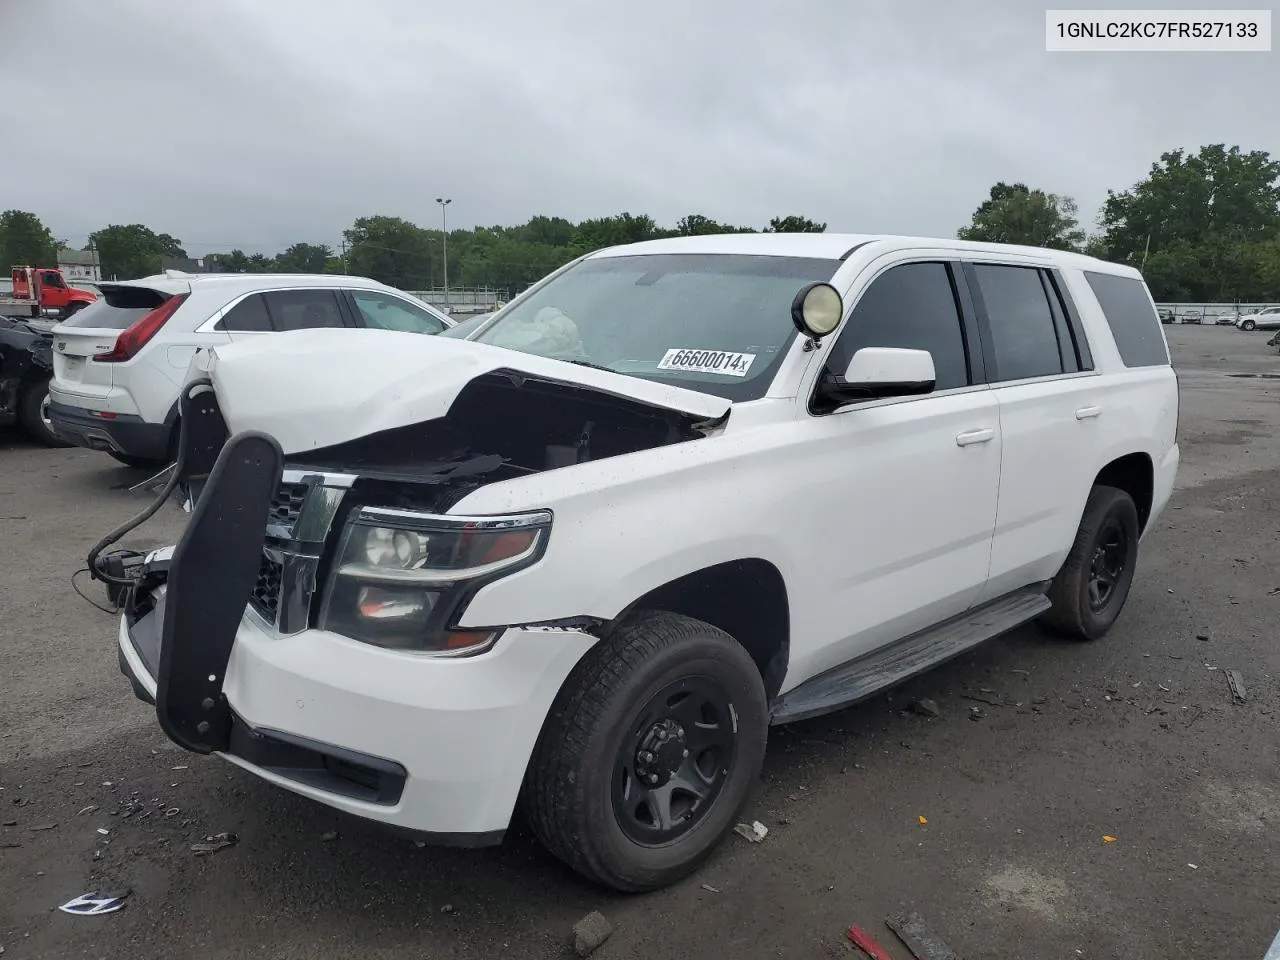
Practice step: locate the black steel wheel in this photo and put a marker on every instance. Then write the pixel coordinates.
(1091, 588)
(670, 770)
(649, 752)
(1108, 563)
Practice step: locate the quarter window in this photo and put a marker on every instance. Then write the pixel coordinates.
(1024, 338)
(912, 306)
(1131, 317)
(247, 316)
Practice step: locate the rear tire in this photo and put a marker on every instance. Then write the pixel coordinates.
(663, 701)
(33, 412)
(1091, 588)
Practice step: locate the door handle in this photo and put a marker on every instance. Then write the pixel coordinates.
(1084, 413)
(974, 436)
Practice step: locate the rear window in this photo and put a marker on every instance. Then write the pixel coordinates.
(1132, 318)
(116, 308)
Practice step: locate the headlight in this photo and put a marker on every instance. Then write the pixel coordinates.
(402, 578)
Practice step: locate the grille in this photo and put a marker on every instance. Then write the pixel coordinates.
(266, 592)
(287, 504)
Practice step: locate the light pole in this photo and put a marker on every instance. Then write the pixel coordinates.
(444, 226)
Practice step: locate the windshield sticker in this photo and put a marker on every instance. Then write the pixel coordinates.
(707, 361)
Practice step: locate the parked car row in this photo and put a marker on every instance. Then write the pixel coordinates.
(118, 364)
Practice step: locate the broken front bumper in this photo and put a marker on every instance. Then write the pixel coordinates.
(436, 747)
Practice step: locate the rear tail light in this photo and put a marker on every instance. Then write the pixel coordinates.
(135, 336)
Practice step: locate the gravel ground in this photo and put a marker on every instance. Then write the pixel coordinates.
(1135, 737)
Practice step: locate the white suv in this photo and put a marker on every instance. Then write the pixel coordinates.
(675, 493)
(119, 363)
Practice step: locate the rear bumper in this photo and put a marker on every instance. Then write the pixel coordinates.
(123, 433)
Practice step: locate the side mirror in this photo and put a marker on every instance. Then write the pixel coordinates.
(876, 372)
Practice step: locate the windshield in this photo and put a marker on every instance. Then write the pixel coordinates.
(718, 323)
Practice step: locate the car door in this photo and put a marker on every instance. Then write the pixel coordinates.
(1041, 373)
(911, 481)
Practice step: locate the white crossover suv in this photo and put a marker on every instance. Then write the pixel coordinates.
(582, 557)
(119, 364)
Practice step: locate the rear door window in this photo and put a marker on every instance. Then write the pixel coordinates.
(304, 309)
(1132, 317)
(248, 316)
(1024, 337)
(912, 306)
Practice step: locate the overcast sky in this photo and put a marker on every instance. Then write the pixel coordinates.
(257, 123)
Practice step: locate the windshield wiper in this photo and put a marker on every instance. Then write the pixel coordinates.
(588, 363)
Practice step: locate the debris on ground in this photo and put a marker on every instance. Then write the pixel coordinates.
(754, 833)
(710, 889)
(919, 937)
(1107, 838)
(89, 809)
(590, 932)
(219, 841)
(975, 713)
(925, 707)
(92, 904)
(447, 908)
(44, 826)
(329, 837)
(988, 700)
(1235, 682)
(923, 819)
(866, 943)
(1202, 636)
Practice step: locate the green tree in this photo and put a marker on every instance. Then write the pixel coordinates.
(1014, 213)
(1202, 226)
(696, 225)
(795, 224)
(1218, 192)
(25, 241)
(237, 261)
(304, 258)
(132, 251)
(393, 251)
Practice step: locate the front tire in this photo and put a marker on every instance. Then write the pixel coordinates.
(649, 753)
(1091, 588)
(33, 411)
(1248, 326)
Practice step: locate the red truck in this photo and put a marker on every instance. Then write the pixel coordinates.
(42, 292)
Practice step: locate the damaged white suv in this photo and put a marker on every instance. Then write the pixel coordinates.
(675, 493)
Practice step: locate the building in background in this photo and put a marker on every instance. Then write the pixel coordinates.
(79, 264)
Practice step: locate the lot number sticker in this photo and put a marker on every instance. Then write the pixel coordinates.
(707, 361)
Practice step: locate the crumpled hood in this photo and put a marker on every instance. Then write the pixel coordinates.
(316, 388)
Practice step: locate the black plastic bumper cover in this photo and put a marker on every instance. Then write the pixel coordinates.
(211, 575)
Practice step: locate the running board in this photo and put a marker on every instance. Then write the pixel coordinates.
(859, 679)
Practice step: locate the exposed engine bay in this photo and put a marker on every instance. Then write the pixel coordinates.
(505, 425)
